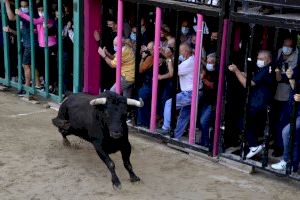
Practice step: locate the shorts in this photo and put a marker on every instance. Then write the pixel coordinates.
(26, 56)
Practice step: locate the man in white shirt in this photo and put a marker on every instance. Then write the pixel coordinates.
(185, 73)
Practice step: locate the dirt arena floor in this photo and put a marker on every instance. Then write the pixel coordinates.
(34, 165)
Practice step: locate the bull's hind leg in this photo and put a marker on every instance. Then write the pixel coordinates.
(109, 163)
(126, 151)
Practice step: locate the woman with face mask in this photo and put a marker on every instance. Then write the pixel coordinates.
(25, 34)
(287, 58)
(40, 26)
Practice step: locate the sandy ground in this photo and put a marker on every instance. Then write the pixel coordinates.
(35, 165)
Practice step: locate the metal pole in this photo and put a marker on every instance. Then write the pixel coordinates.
(220, 88)
(194, 103)
(5, 45)
(138, 48)
(19, 48)
(293, 127)
(32, 46)
(155, 69)
(119, 46)
(248, 61)
(60, 51)
(46, 49)
(77, 62)
(175, 74)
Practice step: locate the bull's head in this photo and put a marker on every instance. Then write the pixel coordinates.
(115, 111)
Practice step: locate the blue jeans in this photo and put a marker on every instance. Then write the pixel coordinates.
(296, 150)
(279, 118)
(143, 116)
(165, 93)
(182, 121)
(182, 99)
(206, 116)
(205, 123)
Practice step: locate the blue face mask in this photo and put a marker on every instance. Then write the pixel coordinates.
(185, 30)
(181, 58)
(133, 36)
(24, 10)
(115, 48)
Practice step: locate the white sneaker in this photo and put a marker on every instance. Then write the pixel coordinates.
(279, 166)
(253, 151)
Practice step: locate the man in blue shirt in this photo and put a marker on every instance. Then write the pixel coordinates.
(260, 96)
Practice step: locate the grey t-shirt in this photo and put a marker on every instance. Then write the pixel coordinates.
(283, 89)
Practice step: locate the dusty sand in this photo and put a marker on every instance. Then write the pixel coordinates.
(35, 165)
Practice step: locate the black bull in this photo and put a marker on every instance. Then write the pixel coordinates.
(102, 122)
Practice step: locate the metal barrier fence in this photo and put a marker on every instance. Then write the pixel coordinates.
(32, 90)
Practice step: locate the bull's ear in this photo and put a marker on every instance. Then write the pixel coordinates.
(133, 102)
(98, 101)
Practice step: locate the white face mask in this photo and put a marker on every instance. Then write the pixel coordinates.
(195, 28)
(25, 10)
(185, 30)
(41, 14)
(210, 67)
(287, 50)
(260, 63)
(181, 58)
(115, 48)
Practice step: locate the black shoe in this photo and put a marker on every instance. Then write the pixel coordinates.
(277, 152)
(21, 93)
(162, 131)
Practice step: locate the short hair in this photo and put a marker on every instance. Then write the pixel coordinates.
(40, 4)
(267, 53)
(212, 56)
(187, 47)
(112, 19)
(123, 40)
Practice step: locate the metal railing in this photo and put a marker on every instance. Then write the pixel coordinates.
(211, 3)
(32, 90)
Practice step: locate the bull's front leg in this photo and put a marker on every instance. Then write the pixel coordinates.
(109, 163)
(126, 151)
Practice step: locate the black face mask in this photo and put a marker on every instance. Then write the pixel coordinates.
(147, 52)
(193, 45)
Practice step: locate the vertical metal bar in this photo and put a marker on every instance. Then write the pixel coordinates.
(194, 103)
(175, 74)
(155, 69)
(46, 49)
(138, 47)
(248, 61)
(119, 46)
(220, 88)
(77, 8)
(17, 5)
(5, 45)
(60, 50)
(32, 46)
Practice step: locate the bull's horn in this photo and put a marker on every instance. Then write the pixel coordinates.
(133, 102)
(98, 101)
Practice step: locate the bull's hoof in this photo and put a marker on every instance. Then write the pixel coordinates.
(134, 179)
(117, 185)
(66, 142)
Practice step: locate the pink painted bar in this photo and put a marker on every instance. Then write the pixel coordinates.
(155, 69)
(92, 19)
(194, 103)
(220, 88)
(119, 46)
